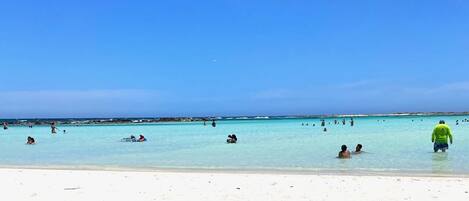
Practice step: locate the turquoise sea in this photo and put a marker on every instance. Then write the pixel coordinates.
(392, 144)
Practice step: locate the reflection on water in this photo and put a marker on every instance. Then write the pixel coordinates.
(440, 163)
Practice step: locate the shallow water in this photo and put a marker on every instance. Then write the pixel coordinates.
(397, 144)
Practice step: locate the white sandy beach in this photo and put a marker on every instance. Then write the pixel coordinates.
(64, 185)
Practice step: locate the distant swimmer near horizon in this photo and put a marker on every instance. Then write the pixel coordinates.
(5, 125)
(214, 124)
(30, 140)
(344, 153)
(53, 128)
(440, 136)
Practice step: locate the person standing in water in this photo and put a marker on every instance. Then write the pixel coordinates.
(5, 125)
(440, 136)
(214, 124)
(53, 128)
(351, 122)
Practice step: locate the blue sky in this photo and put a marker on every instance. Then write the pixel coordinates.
(210, 58)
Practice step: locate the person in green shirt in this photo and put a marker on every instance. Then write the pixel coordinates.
(440, 136)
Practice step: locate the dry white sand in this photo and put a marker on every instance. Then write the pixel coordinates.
(64, 185)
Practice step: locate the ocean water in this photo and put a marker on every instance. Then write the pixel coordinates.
(397, 144)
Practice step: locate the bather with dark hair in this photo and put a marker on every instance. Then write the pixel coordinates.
(344, 153)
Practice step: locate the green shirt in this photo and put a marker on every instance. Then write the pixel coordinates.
(441, 133)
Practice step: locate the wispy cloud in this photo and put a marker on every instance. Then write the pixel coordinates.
(454, 88)
(76, 94)
(275, 94)
(76, 102)
(357, 84)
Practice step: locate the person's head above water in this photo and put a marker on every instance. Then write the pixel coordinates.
(343, 147)
(442, 121)
(358, 148)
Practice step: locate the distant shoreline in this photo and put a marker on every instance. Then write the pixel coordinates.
(143, 120)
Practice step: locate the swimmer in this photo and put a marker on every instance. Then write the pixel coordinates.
(214, 124)
(5, 125)
(30, 140)
(358, 149)
(344, 153)
(142, 138)
(325, 130)
(129, 139)
(232, 139)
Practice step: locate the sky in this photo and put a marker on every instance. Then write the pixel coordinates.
(232, 58)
